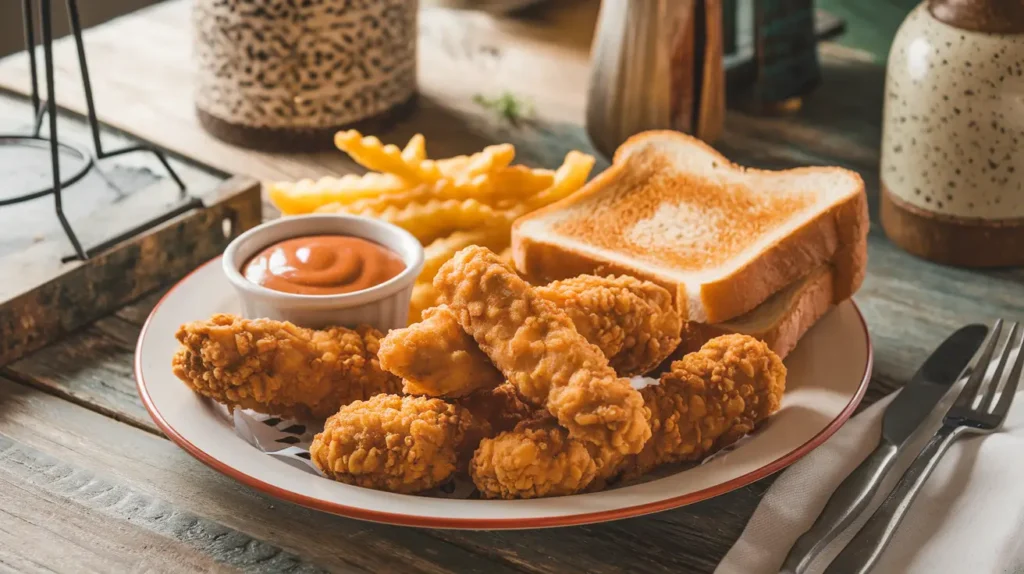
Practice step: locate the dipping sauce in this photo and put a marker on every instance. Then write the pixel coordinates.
(323, 265)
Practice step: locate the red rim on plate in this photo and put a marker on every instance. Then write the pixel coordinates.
(492, 523)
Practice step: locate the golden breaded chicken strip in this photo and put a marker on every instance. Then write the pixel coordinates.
(535, 345)
(536, 459)
(277, 368)
(633, 322)
(500, 408)
(435, 357)
(494, 411)
(709, 400)
(390, 442)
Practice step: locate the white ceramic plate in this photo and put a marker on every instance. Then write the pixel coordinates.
(828, 373)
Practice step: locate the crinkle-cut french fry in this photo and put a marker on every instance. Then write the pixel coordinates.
(493, 237)
(372, 154)
(424, 296)
(420, 194)
(490, 159)
(477, 188)
(514, 183)
(569, 178)
(416, 149)
(436, 218)
(485, 161)
(306, 195)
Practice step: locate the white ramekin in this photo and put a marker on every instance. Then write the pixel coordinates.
(384, 306)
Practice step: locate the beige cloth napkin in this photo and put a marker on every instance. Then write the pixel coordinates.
(969, 516)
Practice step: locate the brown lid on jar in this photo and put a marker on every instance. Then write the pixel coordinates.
(991, 16)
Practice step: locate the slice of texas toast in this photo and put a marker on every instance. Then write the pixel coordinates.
(721, 237)
(780, 321)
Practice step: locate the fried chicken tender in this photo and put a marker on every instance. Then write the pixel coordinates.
(277, 368)
(537, 459)
(494, 411)
(535, 345)
(500, 407)
(634, 322)
(436, 358)
(389, 442)
(709, 400)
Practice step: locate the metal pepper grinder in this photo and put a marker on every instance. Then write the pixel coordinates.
(657, 64)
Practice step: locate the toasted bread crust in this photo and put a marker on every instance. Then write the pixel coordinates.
(814, 299)
(837, 235)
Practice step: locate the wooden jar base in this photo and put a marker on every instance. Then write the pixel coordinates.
(965, 242)
(299, 139)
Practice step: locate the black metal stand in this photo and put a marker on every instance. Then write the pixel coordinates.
(49, 108)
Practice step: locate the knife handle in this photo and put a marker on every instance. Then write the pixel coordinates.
(848, 500)
(866, 547)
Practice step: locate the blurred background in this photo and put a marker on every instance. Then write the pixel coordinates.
(870, 26)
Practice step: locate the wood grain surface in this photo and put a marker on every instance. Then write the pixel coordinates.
(81, 461)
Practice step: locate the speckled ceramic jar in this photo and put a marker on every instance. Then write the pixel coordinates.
(952, 165)
(285, 75)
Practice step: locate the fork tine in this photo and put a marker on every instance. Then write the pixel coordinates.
(970, 390)
(1010, 388)
(1004, 357)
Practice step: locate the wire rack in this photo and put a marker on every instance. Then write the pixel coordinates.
(83, 161)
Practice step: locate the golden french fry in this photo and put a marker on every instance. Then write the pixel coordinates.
(435, 218)
(493, 237)
(420, 194)
(512, 184)
(424, 296)
(477, 188)
(489, 159)
(416, 149)
(372, 154)
(306, 196)
(569, 178)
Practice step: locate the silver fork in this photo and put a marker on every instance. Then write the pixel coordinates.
(963, 417)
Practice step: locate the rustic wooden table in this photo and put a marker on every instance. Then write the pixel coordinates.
(87, 482)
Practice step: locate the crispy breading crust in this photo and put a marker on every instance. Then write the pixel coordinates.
(709, 400)
(633, 322)
(390, 442)
(537, 459)
(436, 358)
(277, 368)
(538, 349)
(494, 411)
(500, 407)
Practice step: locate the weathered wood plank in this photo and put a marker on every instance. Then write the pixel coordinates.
(88, 465)
(138, 311)
(102, 526)
(91, 367)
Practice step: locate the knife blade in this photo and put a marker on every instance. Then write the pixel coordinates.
(902, 417)
(930, 383)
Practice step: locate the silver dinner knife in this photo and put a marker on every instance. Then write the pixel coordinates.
(902, 417)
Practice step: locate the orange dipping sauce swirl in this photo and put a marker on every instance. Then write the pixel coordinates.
(323, 265)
